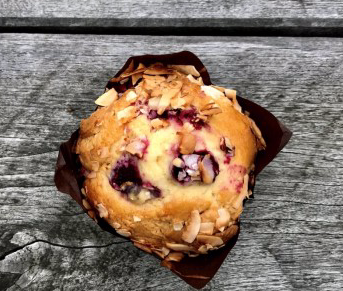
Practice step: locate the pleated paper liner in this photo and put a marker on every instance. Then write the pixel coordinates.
(196, 271)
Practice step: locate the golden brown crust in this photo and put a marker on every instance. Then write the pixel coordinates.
(150, 126)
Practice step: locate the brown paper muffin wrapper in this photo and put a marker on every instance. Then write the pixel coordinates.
(196, 271)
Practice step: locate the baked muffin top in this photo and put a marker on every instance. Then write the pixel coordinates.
(168, 163)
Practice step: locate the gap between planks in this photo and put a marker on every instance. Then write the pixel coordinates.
(296, 27)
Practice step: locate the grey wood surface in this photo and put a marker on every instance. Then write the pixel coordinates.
(292, 232)
(230, 16)
(173, 8)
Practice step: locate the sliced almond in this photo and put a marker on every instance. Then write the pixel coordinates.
(103, 213)
(223, 219)
(187, 143)
(143, 196)
(175, 84)
(202, 249)
(83, 192)
(210, 109)
(136, 218)
(124, 81)
(201, 117)
(221, 89)
(231, 94)
(103, 152)
(141, 91)
(209, 105)
(168, 93)
(136, 77)
(206, 228)
(131, 96)
(141, 66)
(144, 111)
(237, 107)
(165, 100)
(142, 247)
(193, 255)
(115, 225)
(159, 253)
(176, 257)
(136, 147)
(230, 232)
(158, 70)
(124, 74)
(205, 248)
(258, 134)
(206, 169)
(167, 264)
(157, 91)
(92, 215)
(107, 98)
(153, 103)
(178, 102)
(127, 72)
(185, 69)
(177, 226)
(135, 72)
(198, 81)
(172, 77)
(123, 232)
(159, 123)
(210, 239)
(86, 204)
(130, 68)
(150, 82)
(177, 162)
(193, 227)
(126, 114)
(187, 127)
(165, 251)
(95, 166)
(212, 92)
(226, 141)
(179, 247)
(91, 175)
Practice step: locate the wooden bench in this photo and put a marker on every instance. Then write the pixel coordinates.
(55, 59)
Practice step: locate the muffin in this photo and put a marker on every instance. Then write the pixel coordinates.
(169, 161)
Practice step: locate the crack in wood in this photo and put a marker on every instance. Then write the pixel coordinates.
(279, 264)
(5, 254)
(246, 219)
(298, 202)
(296, 233)
(66, 215)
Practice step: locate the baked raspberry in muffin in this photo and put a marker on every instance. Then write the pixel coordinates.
(168, 162)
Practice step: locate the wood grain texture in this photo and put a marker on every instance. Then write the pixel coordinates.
(290, 17)
(172, 8)
(292, 232)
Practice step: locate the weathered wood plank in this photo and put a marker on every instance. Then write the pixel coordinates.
(292, 233)
(172, 9)
(227, 16)
(258, 262)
